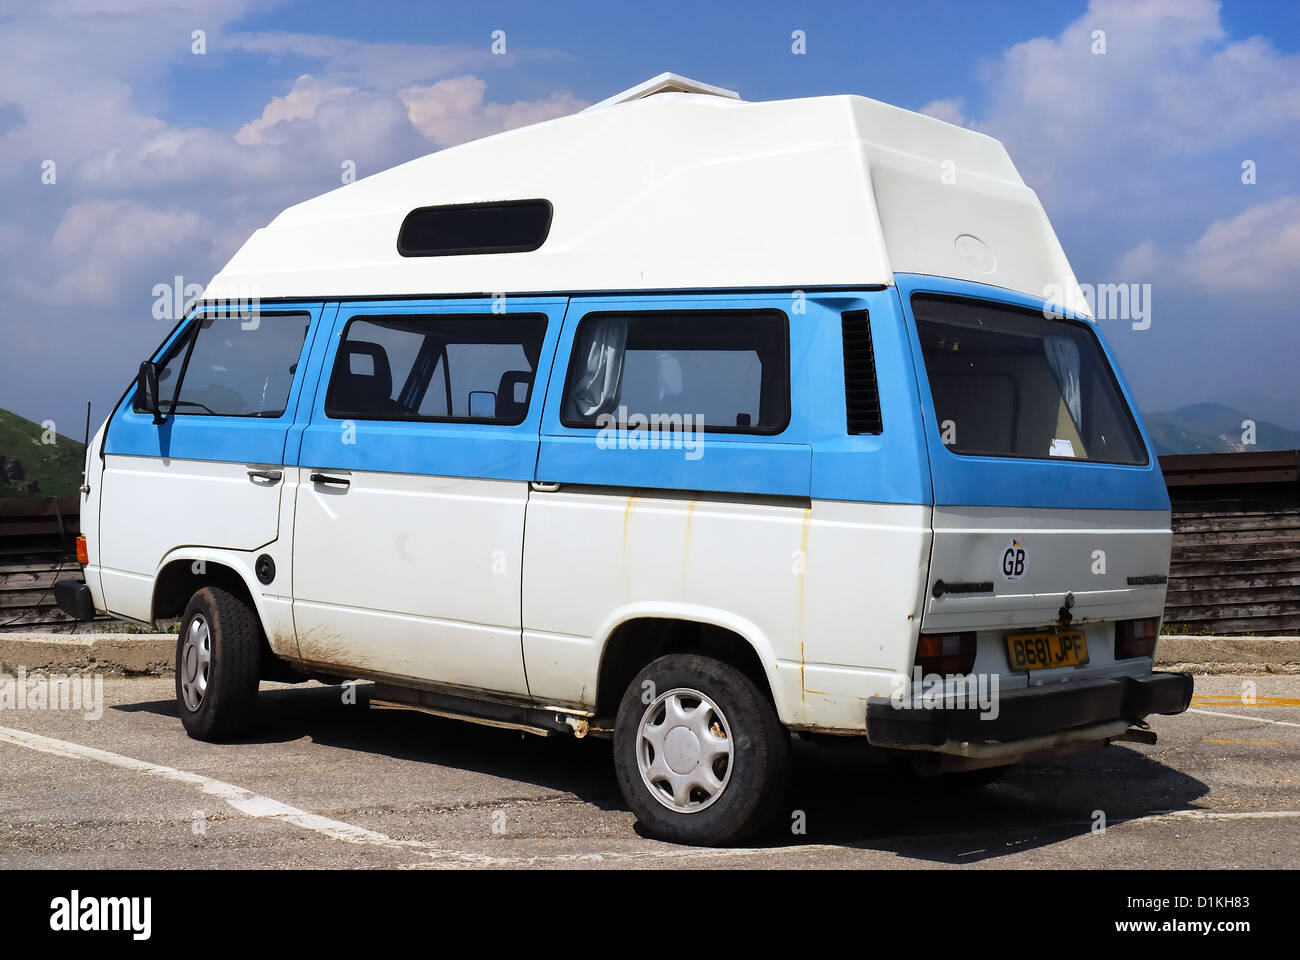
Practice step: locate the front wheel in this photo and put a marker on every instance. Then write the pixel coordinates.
(218, 659)
(699, 752)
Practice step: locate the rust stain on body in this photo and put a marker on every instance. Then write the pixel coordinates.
(627, 516)
(801, 580)
(624, 567)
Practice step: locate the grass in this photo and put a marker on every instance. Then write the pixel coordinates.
(30, 467)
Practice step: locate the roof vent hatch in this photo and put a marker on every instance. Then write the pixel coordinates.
(665, 83)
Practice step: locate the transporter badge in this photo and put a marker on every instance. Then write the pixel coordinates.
(1015, 558)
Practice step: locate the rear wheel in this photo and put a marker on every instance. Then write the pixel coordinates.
(699, 752)
(218, 654)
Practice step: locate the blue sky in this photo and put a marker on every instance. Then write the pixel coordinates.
(166, 160)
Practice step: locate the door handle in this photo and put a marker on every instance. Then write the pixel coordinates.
(272, 475)
(326, 478)
(543, 487)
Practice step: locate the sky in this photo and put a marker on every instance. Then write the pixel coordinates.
(164, 157)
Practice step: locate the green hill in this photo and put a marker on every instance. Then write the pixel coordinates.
(1213, 428)
(31, 468)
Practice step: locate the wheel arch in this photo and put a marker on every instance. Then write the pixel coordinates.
(637, 635)
(185, 570)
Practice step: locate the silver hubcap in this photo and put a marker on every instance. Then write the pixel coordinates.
(684, 750)
(196, 662)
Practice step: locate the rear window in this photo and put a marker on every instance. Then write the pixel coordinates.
(1009, 382)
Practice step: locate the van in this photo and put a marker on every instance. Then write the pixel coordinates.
(684, 421)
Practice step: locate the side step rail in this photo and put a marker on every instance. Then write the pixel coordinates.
(542, 722)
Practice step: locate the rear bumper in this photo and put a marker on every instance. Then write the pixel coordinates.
(74, 599)
(1033, 712)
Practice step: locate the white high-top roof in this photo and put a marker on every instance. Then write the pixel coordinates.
(679, 185)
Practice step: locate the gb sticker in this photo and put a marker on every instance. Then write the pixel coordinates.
(1015, 558)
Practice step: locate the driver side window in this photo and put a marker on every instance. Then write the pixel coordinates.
(233, 366)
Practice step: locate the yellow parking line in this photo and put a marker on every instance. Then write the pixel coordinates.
(1218, 700)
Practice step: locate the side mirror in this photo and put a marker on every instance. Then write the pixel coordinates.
(146, 394)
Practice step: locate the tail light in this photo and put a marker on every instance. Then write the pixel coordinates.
(946, 653)
(83, 556)
(1136, 638)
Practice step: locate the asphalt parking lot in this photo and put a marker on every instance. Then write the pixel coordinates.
(323, 783)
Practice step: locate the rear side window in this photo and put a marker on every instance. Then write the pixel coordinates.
(234, 366)
(477, 369)
(727, 371)
(1009, 382)
(510, 226)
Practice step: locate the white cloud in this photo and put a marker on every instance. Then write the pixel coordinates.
(300, 103)
(453, 111)
(1257, 251)
(1254, 252)
(99, 241)
(140, 199)
(380, 66)
(1170, 87)
(949, 109)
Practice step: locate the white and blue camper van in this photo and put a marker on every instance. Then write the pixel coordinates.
(685, 421)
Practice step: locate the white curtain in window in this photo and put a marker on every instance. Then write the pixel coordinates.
(1063, 355)
(597, 388)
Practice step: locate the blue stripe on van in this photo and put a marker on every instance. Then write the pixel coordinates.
(961, 480)
(814, 456)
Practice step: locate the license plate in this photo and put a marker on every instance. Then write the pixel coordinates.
(1038, 651)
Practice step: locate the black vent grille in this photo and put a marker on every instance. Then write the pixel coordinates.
(861, 396)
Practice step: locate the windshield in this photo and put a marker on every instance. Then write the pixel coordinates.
(1009, 382)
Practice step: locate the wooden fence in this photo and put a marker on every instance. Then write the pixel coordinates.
(1236, 551)
(37, 547)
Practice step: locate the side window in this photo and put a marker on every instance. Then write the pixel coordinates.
(477, 369)
(726, 371)
(233, 366)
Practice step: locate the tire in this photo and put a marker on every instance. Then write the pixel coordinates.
(751, 766)
(218, 661)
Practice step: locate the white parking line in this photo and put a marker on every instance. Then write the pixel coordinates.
(260, 807)
(1216, 815)
(1240, 716)
(247, 802)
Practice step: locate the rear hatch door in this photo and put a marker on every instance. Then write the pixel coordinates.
(1050, 512)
